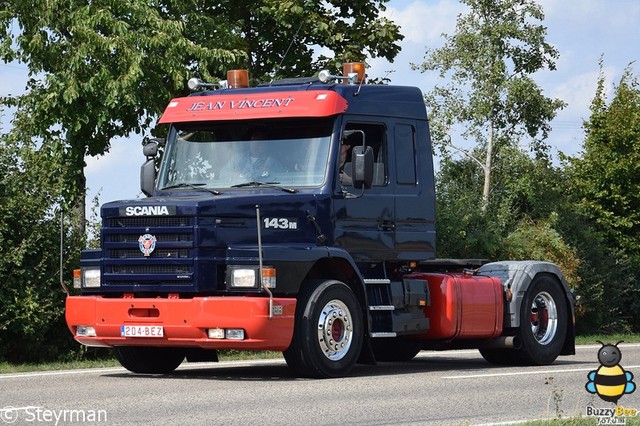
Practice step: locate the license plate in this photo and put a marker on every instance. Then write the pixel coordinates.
(141, 331)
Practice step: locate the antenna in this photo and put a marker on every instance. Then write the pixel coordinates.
(275, 71)
(260, 277)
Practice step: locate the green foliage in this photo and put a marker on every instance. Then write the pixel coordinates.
(462, 230)
(540, 240)
(607, 177)
(490, 95)
(525, 189)
(98, 70)
(279, 37)
(605, 195)
(32, 323)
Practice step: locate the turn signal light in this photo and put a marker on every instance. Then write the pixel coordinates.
(269, 277)
(77, 280)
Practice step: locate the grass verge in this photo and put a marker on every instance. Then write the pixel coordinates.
(613, 338)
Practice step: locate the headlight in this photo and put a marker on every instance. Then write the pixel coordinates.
(249, 277)
(90, 277)
(243, 278)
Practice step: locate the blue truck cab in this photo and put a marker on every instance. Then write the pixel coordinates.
(299, 216)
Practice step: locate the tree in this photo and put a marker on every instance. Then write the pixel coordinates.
(489, 60)
(32, 326)
(106, 68)
(530, 193)
(607, 177)
(605, 192)
(279, 38)
(98, 70)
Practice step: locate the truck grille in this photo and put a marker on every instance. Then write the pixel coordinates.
(133, 238)
(170, 263)
(150, 269)
(143, 222)
(162, 253)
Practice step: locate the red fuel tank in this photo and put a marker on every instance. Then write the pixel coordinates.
(463, 306)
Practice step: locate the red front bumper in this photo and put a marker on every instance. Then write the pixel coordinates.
(184, 321)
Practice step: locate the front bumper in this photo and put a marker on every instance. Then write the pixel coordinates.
(184, 321)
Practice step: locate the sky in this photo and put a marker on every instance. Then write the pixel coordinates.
(582, 31)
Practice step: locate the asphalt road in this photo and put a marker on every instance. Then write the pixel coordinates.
(449, 388)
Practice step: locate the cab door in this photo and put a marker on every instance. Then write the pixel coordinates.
(413, 187)
(365, 221)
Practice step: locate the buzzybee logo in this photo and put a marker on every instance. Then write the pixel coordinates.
(610, 381)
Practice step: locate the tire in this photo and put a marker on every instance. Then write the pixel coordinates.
(395, 349)
(328, 332)
(543, 321)
(149, 360)
(543, 326)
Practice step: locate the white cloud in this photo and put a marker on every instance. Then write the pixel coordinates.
(424, 22)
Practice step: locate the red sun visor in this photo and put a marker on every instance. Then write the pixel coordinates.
(259, 105)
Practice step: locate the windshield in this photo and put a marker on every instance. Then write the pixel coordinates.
(228, 154)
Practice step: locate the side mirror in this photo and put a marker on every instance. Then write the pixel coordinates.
(148, 168)
(150, 149)
(148, 177)
(362, 167)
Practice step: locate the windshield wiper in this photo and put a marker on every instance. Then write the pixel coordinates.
(192, 186)
(266, 185)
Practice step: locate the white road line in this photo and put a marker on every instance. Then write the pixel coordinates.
(527, 373)
(623, 345)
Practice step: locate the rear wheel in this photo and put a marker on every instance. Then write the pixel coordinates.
(328, 332)
(543, 321)
(543, 326)
(149, 360)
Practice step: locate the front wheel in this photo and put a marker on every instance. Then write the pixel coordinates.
(149, 360)
(328, 333)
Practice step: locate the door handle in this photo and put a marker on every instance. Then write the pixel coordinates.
(387, 225)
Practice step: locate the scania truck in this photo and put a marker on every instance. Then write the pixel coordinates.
(299, 216)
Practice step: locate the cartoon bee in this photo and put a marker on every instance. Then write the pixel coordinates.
(610, 381)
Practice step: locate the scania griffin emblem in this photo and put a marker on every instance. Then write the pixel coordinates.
(147, 244)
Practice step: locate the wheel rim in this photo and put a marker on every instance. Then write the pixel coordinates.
(335, 331)
(544, 318)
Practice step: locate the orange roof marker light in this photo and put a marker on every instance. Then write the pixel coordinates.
(353, 73)
(237, 79)
(351, 68)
